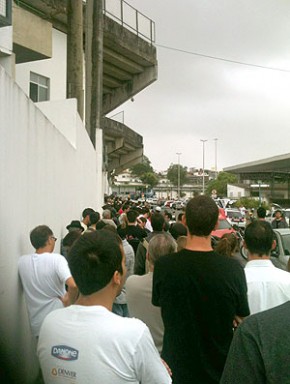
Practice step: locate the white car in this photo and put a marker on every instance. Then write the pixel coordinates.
(235, 217)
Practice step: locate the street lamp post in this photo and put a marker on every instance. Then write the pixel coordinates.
(203, 142)
(215, 157)
(178, 174)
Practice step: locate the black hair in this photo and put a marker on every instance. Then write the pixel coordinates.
(132, 216)
(40, 235)
(168, 214)
(93, 260)
(157, 221)
(125, 206)
(178, 229)
(180, 215)
(87, 211)
(94, 217)
(261, 212)
(259, 237)
(201, 215)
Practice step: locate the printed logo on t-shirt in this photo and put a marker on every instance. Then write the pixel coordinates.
(63, 352)
(62, 372)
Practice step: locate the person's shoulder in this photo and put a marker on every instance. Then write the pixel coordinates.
(226, 259)
(132, 281)
(24, 260)
(56, 256)
(275, 318)
(136, 280)
(168, 260)
(131, 326)
(283, 276)
(55, 315)
(25, 257)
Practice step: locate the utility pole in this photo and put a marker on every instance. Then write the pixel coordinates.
(178, 175)
(75, 53)
(203, 142)
(215, 157)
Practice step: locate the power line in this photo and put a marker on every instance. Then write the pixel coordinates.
(221, 58)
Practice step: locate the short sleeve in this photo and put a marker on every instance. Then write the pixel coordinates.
(147, 362)
(243, 305)
(62, 268)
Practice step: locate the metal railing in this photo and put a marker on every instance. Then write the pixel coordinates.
(130, 18)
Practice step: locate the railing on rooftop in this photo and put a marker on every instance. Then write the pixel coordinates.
(130, 18)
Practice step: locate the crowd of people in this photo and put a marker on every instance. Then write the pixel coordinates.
(137, 297)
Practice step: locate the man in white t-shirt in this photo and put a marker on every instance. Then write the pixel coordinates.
(86, 342)
(268, 286)
(44, 275)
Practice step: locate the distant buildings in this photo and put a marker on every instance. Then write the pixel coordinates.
(127, 184)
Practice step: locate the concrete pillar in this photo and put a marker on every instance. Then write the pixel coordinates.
(75, 53)
(94, 85)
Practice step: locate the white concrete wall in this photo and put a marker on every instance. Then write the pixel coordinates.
(236, 192)
(7, 57)
(6, 40)
(54, 68)
(45, 179)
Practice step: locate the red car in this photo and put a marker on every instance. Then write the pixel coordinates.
(223, 225)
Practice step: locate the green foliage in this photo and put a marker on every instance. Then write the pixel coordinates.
(220, 184)
(172, 174)
(142, 168)
(145, 172)
(150, 179)
(249, 203)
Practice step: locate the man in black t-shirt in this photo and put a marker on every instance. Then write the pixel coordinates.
(201, 295)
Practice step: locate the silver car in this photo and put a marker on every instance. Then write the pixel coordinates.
(281, 254)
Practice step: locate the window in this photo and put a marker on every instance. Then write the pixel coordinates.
(3, 8)
(5, 13)
(39, 87)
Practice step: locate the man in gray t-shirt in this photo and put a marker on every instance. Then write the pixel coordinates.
(260, 350)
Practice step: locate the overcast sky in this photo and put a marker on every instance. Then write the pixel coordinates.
(246, 108)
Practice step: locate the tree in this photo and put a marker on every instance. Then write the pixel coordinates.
(172, 174)
(221, 183)
(142, 168)
(249, 203)
(150, 179)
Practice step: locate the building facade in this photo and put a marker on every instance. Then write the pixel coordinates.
(52, 166)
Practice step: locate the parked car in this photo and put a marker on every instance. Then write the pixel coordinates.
(235, 216)
(167, 203)
(281, 254)
(223, 227)
(177, 205)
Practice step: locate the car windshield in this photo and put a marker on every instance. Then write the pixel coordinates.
(224, 224)
(234, 214)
